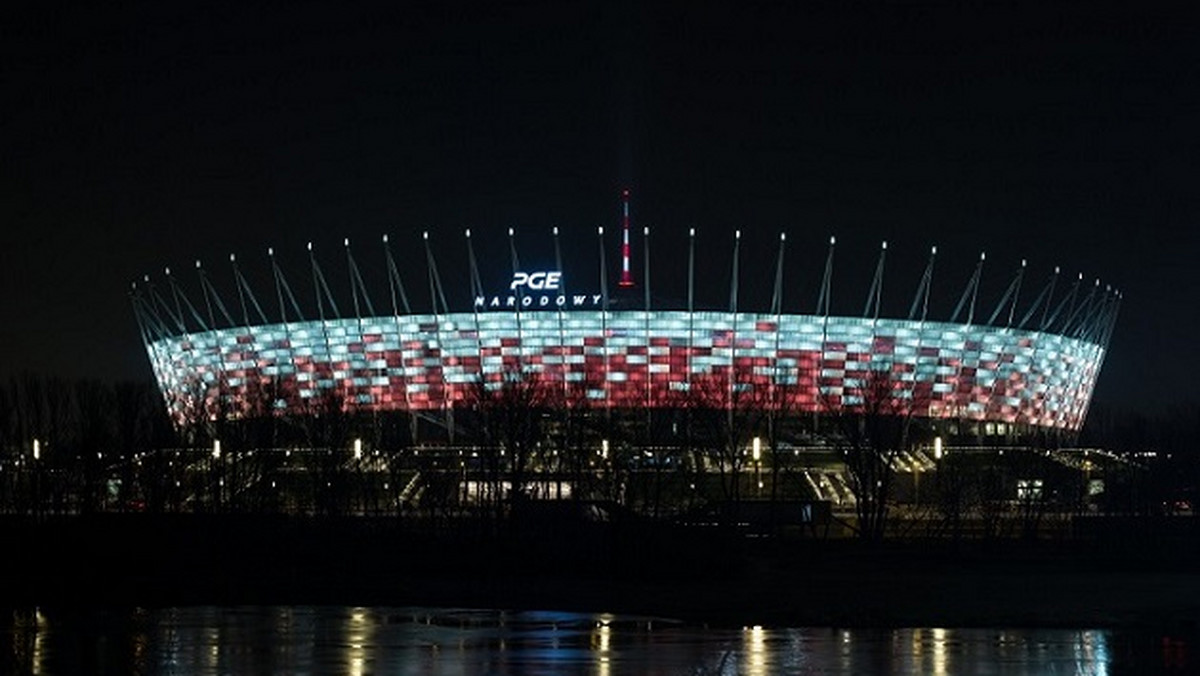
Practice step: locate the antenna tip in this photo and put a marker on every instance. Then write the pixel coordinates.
(232, 258)
(600, 230)
(1056, 269)
(1023, 262)
(554, 230)
(983, 255)
(346, 242)
(385, 239)
(884, 246)
(197, 263)
(146, 278)
(270, 251)
(737, 234)
(832, 240)
(310, 246)
(933, 250)
(467, 232)
(167, 272)
(510, 232)
(691, 232)
(646, 231)
(425, 235)
(782, 236)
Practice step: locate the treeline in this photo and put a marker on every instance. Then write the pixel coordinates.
(75, 434)
(1172, 435)
(73, 419)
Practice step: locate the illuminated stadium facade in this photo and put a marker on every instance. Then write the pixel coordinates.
(1029, 364)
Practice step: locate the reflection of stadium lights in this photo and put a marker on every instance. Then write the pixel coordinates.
(757, 446)
(937, 448)
(357, 449)
(216, 452)
(604, 449)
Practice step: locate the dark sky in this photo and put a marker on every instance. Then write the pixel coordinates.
(144, 135)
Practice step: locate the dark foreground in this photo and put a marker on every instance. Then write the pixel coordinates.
(699, 575)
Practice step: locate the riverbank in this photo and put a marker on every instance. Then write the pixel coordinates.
(700, 575)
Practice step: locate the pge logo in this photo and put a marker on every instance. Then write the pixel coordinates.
(538, 281)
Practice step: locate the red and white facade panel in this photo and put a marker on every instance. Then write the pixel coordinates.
(633, 359)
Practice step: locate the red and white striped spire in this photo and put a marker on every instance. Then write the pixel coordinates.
(626, 275)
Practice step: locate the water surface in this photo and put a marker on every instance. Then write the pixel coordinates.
(342, 640)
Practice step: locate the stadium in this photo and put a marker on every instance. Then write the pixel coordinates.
(1037, 371)
(588, 364)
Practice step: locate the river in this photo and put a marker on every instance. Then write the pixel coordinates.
(450, 642)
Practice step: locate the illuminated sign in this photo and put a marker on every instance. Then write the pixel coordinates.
(540, 281)
(548, 281)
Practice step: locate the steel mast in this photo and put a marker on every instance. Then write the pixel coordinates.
(626, 275)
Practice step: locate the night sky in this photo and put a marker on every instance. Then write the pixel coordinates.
(141, 136)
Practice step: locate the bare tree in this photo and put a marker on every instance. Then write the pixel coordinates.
(873, 418)
(729, 414)
(510, 412)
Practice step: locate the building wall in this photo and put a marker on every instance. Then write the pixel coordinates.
(631, 359)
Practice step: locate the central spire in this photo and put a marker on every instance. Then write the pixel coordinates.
(626, 275)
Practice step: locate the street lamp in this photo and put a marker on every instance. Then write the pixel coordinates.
(756, 453)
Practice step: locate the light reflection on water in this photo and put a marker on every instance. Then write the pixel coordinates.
(359, 641)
